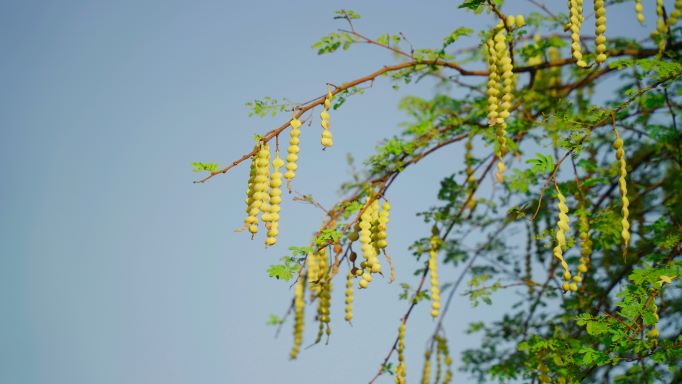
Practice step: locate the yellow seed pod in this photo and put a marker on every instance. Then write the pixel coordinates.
(493, 89)
(251, 219)
(575, 22)
(562, 227)
(349, 297)
(324, 120)
(676, 14)
(443, 344)
(639, 11)
(510, 22)
(324, 294)
(293, 149)
(585, 246)
(622, 184)
(261, 183)
(600, 28)
(400, 369)
(520, 21)
(471, 179)
(433, 272)
(369, 251)
(383, 219)
(506, 74)
(275, 200)
(426, 372)
(313, 272)
(661, 25)
(299, 305)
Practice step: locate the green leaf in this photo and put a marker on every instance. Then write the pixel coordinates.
(274, 320)
(456, 34)
(210, 167)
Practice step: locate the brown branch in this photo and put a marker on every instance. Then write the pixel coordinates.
(414, 63)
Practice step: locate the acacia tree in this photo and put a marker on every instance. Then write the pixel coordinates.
(600, 202)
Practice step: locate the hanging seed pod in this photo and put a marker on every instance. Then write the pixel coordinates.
(676, 14)
(433, 272)
(426, 371)
(383, 219)
(299, 305)
(562, 228)
(324, 120)
(349, 297)
(576, 19)
(251, 219)
(400, 369)
(445, 351)
(623, 172)
(585, 246)
(266, 214)
(371, 263)
(600, 28)
(275, 200)
(661, 26)
(639, 11)
(493, 82)
(324, 294)
(471, 179)
(313, 273)
(261, 181)
(293, 149)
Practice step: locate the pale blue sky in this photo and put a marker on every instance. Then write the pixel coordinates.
(115, 268)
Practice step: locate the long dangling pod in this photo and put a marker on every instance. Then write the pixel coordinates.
(639, 11)
(383, 219)
(471, 179)
(445, 351)
(506, 74)
(251, 220)
(585, 245)
(324, 120)
(493, 89)
(426, 371)
(600, 28)
(313, 273)
(676, 14)
(381, 242)
(299, 305)
(661, 26)
(266, 216)
(433, 272)
(400, 369)
(562, 228)
(323, 295)
(622, 173)
(575, 22)
(371, 263)
(293, 149)
(275, 200)
(349, 297)
(261, 183)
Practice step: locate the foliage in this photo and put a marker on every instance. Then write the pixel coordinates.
(592, 182)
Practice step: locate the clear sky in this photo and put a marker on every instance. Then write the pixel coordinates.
(115, 268)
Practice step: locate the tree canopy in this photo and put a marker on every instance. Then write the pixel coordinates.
(589, 178)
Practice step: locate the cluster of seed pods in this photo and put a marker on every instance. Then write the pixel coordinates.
(562, 228)
(501, 83)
